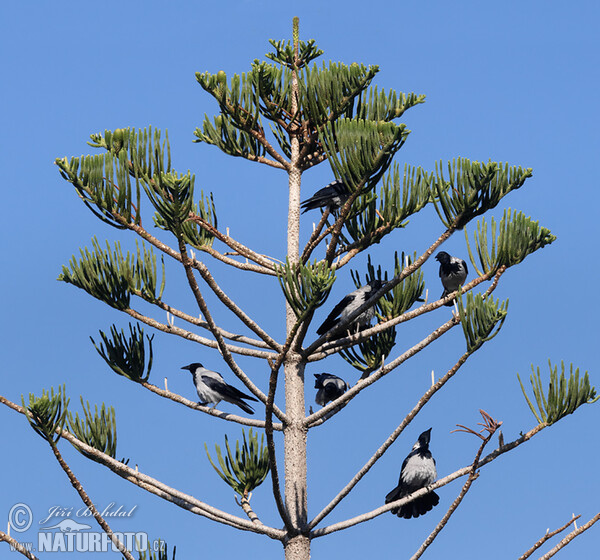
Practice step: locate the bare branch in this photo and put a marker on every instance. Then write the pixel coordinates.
(336, 345)
(236, 264)
(196, 338)
(570, 537)
(223, 348)
(16, 545)
(546, 537)
(228, 302)
(160, 489)
(490, 426)
(235, 245)
(88, 502)
(441, 482)
(206, 409)
(388, 442)
(203, 324)
(313, 419)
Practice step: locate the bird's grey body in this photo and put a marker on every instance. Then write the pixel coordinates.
(332, 196)
(330, 387)
(350, 304)
(453, 273)
(212, 389)
(418, 470)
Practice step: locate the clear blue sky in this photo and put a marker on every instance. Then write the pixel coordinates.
(506, 81)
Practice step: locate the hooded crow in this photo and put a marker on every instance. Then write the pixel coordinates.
(351, 303)
(418, 470)
(330, 388)
(453, 272)
(333, 196)
(212, 389)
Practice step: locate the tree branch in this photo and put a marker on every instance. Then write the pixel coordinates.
(313, 419)
(228, 302)
(407, 271)
(16, 545)
(547, 537)
(202, 324)
(232, 243)
(88, 502)
(442, 482)
(206, 409)
(160, 489)
(172, 329)
(570, 537)
(492, 426)
(388, 442)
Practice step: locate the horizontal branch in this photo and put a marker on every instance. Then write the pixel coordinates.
(207, 409)
(388, 442)
(247, 266)
(196, 321)
(160, 489)
(421, 492)
(172, 329)
(232, 243)
(546, 537)
(570, 537)
(313, 419)
(335, 346)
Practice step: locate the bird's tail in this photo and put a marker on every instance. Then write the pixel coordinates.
(451, 302)
(244, 406)
(418, 507)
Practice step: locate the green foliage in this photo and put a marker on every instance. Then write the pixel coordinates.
(369, 354)
(103, 182)
(112, 278)
(374, 105)
(193, 234)
(563, 397)
(305, 286)
(47, 414)
(284, 53)
(172, 195)
(361, 151)
(518, 237)
(472, 188)
(402, 296)
(98, 431)
(369, 224)
(248, 469)
(328, 92)
(481, 318)
(126, 356)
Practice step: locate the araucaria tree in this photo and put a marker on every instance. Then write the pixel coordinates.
(290, 114)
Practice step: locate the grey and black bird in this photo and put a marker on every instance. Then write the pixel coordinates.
(351, 303)
(330, 387)
(453, 273)
(418, 470)
(212, 389)
(332, 196)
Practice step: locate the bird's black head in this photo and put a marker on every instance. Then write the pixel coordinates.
(319, 380)
(192, 367)
(442, 257)
(424, 439)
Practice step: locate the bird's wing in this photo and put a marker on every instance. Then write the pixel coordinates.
(332, 319)
(465, 267)
(227, 391)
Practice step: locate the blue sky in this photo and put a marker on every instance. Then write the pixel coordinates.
(508, 81)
